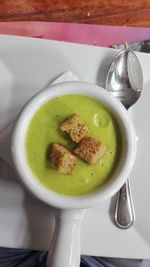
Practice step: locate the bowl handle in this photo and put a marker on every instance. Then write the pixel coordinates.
(65, 248)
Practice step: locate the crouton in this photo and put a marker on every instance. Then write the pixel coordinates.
(90, 150)
(75, 127)
(62, 159)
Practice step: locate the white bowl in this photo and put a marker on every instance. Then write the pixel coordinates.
(68, 220)
(122, 170)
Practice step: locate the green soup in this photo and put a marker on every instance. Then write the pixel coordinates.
(44, 129)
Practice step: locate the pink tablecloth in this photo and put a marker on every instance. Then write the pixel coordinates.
(99, 35)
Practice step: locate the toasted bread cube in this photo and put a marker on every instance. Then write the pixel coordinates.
(62, 159)
(90, 150)
(75, 127)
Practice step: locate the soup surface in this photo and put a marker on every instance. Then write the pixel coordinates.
(44, 129)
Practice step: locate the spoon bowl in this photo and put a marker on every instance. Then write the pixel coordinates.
(125, 79)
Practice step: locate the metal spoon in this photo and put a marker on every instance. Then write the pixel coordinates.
(125, 81)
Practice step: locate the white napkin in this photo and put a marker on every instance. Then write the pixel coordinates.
(5, 135)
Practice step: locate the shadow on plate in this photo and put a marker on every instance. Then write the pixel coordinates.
(34, 222)
(41, 222)
(112, 209)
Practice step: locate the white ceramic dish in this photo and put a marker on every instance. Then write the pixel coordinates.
(18, 57)
(67, 230)
(126, 160)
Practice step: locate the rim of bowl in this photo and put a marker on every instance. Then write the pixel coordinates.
(119, 176)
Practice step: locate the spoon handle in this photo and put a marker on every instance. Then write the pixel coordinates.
(124, 213)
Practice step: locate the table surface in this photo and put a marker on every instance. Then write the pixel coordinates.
(108, 12)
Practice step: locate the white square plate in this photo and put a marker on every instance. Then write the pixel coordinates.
(26, 66)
